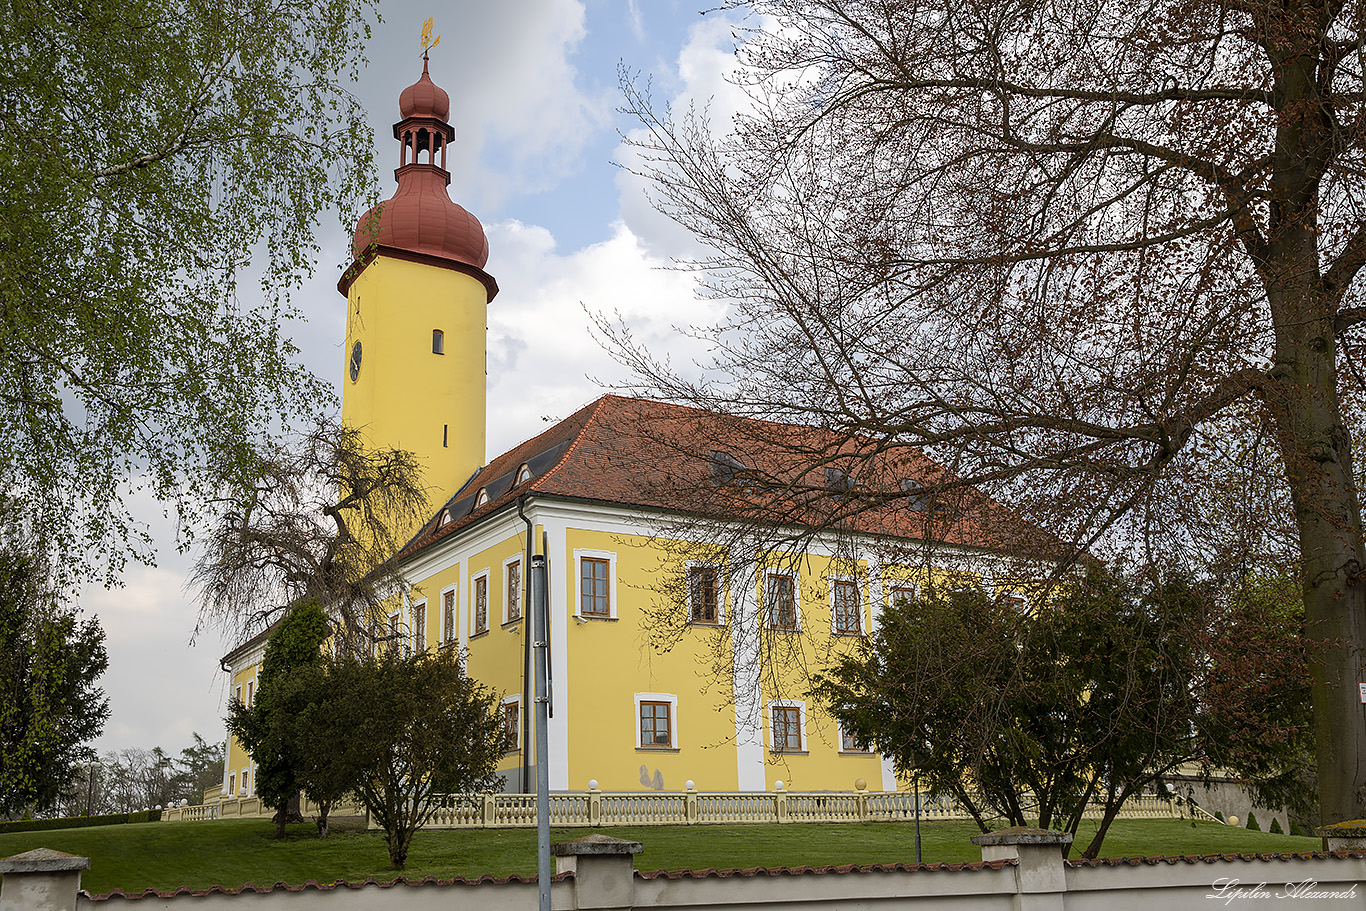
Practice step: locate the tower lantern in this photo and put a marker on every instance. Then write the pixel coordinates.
(417, 302)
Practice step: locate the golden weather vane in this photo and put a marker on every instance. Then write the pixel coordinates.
(427, 42)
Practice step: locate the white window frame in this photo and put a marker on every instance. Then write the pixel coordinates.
(801, 723)
(721, 590)
(839, 730)
(396, 636)
(474, 605)
(796, 626)
(611, 558)
(1023, 599)
(521, 583)
(516, 745)
(451, 635)
(834, 582)
(419, 604)
(237, 694)
(672, 700)
(232, 782)
(897, 585)
(245, 781)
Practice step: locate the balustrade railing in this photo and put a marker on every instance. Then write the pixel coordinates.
(662, 808)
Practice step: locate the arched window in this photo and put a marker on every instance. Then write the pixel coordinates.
(438, 342)
(482, 498)
(523, 474)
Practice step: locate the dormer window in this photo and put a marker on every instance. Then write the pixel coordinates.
(438, 342)
(837, 479)
(523, 474)
(445, 519)
(726, 468)
(482, 498)
(916, 497)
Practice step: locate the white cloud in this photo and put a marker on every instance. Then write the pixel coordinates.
(543, 358)
(700, 80)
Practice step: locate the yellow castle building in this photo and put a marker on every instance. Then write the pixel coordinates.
(685, 619)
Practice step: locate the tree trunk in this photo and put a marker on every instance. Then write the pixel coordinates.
(1317, 451)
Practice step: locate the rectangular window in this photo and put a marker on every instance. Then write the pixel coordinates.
(374, 637)
(1015, 602)
(420, 627)
(237, 694)
(512, 725)
(593, 587)
(847, 607)
(448, 612)
(781, 601)
(251, 691)
(654, 725)
(514, 591)
(787, 729)
(702, 593)
(850, 744)
(901, 591)
(232, 783)
(395, 629)
(246, 786)
(481, 604)
(438, 342)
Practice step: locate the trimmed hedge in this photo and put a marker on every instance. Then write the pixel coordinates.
(79, 822)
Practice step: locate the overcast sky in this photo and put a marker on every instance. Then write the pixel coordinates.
(533, 86)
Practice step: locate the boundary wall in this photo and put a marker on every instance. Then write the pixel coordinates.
(1020, 869)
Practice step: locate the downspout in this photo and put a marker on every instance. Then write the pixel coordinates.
(526, 643)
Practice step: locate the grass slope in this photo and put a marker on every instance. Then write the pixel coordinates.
(233, 852)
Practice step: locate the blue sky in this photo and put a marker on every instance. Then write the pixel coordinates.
(534, 93)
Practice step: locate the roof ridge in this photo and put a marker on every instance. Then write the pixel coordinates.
(592, 407)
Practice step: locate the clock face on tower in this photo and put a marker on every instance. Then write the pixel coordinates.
(355, 361)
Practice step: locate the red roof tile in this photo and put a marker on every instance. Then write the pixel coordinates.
(657, 456)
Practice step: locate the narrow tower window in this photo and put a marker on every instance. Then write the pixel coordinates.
(438, 342)
(445, 435)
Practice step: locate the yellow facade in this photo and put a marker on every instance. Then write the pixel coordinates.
(721, 681)
(403, 393)
(239, 772)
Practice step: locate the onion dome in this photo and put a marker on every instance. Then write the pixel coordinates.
(420, 217)
(424, 98)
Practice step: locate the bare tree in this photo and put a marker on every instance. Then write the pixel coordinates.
(1090, 255)
(318, 517)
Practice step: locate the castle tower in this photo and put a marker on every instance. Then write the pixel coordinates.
(417, 301)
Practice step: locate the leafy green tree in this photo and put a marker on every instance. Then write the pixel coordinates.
(150, 151)
(199, 767)
(269, 728)
(50, 703)
(1087, 700)
(408, 727)
(1256, 691)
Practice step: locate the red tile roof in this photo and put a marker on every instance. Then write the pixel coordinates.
(654, 455)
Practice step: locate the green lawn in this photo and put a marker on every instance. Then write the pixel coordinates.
(232, 852)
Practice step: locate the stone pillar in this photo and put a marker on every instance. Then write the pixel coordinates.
(1040, 879)
(41, 880)
(604, 875)
(1343, 836)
